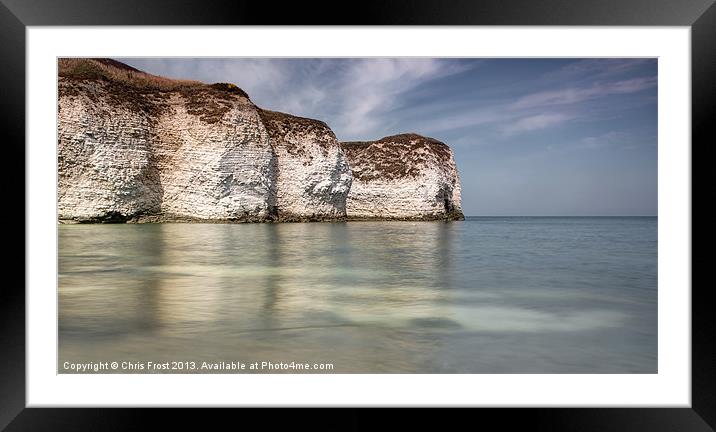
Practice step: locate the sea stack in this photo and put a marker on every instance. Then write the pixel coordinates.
(404, 177)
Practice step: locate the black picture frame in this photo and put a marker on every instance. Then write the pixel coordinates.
(16, 15)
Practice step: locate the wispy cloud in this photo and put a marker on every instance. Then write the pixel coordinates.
(370, 88)
(575, 95)
(536, 122)
(596, 69)
(468, 119)
(616, 139)
(608, 137)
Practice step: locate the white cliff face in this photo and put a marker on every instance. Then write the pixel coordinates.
(219, 170)
(140, 148)
(136, 147)
(456, 190)
(403, 177)
(104, 157)
(313, 177)
(166, 159)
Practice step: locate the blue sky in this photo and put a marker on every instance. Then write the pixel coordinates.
(531, 136)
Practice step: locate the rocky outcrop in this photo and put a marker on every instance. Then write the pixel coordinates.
(312, 175)
(141, 148)
(405, 177)
(105, 157)
(136, 147)
(213, 169)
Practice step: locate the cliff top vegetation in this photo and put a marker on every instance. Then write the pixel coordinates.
(119, 73)
(395, 156)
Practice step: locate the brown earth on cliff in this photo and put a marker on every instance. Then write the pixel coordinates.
(142, 91)
(281, 127)
(394, 156)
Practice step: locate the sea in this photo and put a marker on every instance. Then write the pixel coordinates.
(488, 295)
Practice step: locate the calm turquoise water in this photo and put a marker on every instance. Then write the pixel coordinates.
(487, 295)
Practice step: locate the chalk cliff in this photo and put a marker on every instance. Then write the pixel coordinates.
(406, 177)
(137, 147)
(312, 178)
(140, 148)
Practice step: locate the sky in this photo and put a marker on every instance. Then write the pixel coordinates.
(532, 137)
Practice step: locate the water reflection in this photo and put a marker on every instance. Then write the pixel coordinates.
(368, 297)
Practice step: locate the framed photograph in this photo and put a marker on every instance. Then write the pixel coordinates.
(472, 205)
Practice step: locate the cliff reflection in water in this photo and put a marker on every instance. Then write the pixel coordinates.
(386, 297)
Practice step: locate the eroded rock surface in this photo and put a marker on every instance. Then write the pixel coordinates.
(313, 177)
(133, 146)
(142, 148)
(405, 176)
